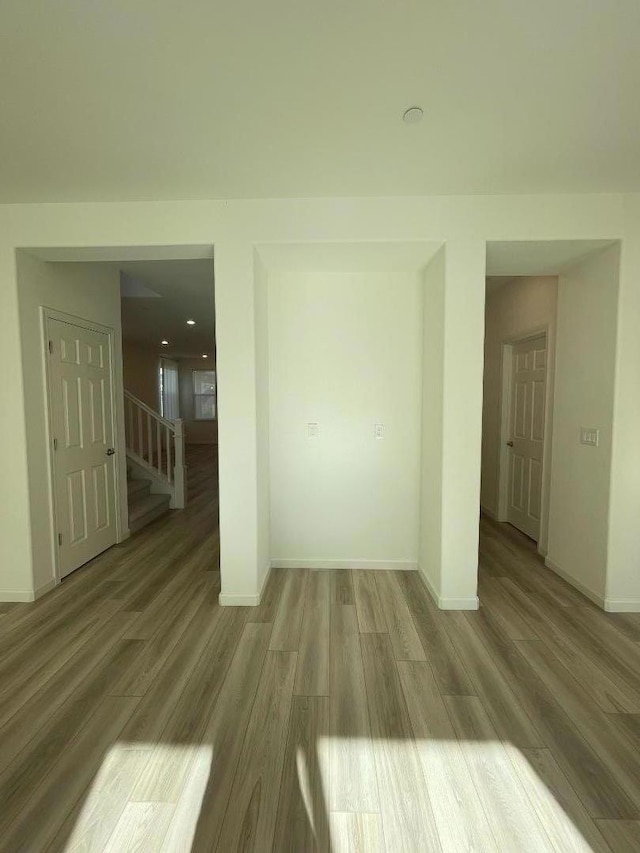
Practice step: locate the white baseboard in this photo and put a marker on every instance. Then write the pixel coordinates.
(449, 603)
(26, 595)
(395, 565)
(17, 595)
(265, 581)
(46, 587)
(459, 603)
(622, 605)
(232, 600)
(591, 595)
(226, 599)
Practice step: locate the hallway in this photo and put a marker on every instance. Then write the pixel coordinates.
(344, 713)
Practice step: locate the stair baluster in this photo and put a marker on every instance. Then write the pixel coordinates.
(167, 473)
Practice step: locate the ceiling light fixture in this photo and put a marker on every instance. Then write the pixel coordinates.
(191, 322)
(205, 356)
(412, 115)
(165, 343)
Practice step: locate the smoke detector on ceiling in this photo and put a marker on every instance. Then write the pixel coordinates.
(412, 115)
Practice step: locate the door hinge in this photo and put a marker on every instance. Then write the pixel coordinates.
(60, 539)
(55, 443)
(50, 347)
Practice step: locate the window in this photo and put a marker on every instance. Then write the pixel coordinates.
(169, 396)
(204, 395)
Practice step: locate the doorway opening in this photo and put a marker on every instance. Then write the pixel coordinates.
(117, 448)
(549, 369)
(169, 369)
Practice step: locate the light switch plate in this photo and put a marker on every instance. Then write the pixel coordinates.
(312, 431)
(378, 431)
(590, 436)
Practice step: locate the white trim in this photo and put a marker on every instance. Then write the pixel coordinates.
(15, 595)
(226, 599)
(430, 588)
(26, 595)
(622, 605)
(506, 375)
(394, 565)
(449, 603)
(229, 599)
(590, 594)
(141, 405)
(264, 581)
(46, 587)
(459, 603)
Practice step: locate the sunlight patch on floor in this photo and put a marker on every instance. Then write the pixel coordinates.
(483, 795)
(147, 795)
(486, 795)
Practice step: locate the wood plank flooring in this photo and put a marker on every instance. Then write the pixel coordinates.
(345, 713)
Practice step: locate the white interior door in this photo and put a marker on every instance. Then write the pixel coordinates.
(528, 393)
(80, 405)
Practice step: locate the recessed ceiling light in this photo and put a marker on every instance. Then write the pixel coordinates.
(191, 322)
(412, 115)
(205, 356)
(165, 343)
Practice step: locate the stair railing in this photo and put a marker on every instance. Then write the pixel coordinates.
(157, 445)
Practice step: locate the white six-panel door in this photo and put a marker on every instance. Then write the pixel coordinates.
(80, 403)
(528, 393)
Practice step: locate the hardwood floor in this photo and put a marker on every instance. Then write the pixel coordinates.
(345, 713)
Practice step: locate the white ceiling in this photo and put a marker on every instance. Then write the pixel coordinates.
(156, 99)
(173, 292)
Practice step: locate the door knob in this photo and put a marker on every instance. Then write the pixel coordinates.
(110, 451)
(509, 444)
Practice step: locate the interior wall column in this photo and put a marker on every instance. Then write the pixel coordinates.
(236, 376)
(623, 561)
(462, 421)
(16, 571)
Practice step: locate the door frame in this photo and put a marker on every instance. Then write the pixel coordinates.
(46, 315)
(506, 376)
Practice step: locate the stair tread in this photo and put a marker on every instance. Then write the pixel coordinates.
(142, 506)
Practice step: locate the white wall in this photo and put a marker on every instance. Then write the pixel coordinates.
(140, 367)
(88, 291)
(453, 286)
(462, 421)
(517, 308)
(242, 505)
(263, 497)
(235, 227)
(345, 353)
(584, 397)
(623, 560)
(433, 286)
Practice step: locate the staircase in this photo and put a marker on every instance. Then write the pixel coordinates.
(144, 507)
(155, 463)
